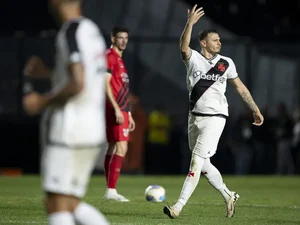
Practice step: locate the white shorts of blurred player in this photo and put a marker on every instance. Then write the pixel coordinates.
(204, 133)
(66, 170)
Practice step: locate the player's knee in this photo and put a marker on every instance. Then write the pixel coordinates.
(196, 163)
(57, 202)
(51, 203)
(122, 148)
(74, 203)
(111, 148)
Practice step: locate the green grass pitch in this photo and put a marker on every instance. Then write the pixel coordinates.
(265, 200)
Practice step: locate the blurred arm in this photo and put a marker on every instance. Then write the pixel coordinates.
(72, 87)
(35, 68)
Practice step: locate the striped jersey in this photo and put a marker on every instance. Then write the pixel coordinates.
(206, 82)
(119, 79)
(81, 121)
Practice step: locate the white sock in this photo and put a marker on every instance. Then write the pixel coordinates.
(59, 218)
(111, 191)
(190, 182)
(215, 179)
(85, 214)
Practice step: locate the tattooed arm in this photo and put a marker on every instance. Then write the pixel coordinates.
(244, 93)
(247, 97)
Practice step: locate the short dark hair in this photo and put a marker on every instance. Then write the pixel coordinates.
(76, 1)
(118, 29)
(203, 34)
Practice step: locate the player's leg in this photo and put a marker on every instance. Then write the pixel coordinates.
(204, 134)
(56, 205)
(190, 183)
(63, 209)
(118, 136)
(80, 212)
(114, 170)
(59, 209)
(84, 213)
(193, 176)
(109, 153)
(66, 174)
(57, 199)
(214, 177)
(110, 123)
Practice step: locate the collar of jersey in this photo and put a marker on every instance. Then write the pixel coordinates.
(210, 59)
(68, 22)
(114, 52)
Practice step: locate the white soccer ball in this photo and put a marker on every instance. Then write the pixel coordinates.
(155, 193)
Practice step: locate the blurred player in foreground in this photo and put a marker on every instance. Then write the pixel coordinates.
(117, 130)
(74, 116)
(207, 75)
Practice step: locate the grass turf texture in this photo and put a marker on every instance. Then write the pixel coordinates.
(265, 200)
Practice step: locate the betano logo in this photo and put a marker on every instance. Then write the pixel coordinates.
(213, 77)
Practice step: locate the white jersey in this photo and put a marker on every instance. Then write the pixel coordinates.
(206, 83)
(81, 121)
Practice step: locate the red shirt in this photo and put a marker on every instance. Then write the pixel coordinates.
(119, 80)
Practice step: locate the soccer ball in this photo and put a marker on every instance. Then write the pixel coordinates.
(155, 193)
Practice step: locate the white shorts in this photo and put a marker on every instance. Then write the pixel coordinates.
(67, 171)
(204, 133)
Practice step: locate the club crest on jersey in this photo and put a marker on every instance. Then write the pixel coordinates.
(125, 132)
(125, 77)
(213, 77)
(221, 67)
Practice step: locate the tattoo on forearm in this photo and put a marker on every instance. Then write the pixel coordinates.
(246, 96)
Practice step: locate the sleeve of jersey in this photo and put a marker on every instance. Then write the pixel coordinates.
(111, 61)
(232, 73)
(72, 43)
(190, 61)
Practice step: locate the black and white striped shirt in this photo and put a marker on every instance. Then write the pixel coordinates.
(206, 83)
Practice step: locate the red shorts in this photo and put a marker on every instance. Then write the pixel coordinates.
(114, 131)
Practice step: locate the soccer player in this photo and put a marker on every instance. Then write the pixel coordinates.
(117, 131)
(207, 74)
(75, 110)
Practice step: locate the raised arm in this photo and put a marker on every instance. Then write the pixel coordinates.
(247, 97)
(193, 16)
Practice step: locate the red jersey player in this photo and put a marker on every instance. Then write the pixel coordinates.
(117, 128)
